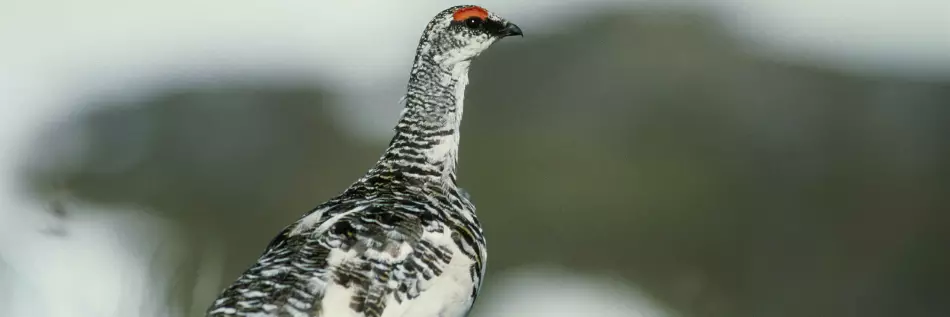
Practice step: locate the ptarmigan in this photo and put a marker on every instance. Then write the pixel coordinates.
(403, 240)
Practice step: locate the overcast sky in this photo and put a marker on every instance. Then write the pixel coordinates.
(59, 52)
(72, 50)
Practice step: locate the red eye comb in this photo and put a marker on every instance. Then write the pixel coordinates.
(470, 12)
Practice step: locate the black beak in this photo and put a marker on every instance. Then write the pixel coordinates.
(511, 29)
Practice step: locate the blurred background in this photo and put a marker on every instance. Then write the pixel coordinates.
(628, 158)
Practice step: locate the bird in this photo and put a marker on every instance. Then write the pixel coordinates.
(403, 240)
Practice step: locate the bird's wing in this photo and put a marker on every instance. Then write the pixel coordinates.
(354, 260)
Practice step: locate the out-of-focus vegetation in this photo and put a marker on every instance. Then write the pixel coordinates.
(651, 146)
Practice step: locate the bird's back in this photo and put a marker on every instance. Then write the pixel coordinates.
(389, 255)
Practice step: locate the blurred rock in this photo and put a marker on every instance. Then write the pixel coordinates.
(657, 146)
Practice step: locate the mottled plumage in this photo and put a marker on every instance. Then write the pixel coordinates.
(403, 240)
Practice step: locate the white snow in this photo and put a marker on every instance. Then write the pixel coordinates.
(547, 291)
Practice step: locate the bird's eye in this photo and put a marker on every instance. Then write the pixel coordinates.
(473, 22)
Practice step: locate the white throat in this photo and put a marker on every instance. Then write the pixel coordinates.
(446, 149)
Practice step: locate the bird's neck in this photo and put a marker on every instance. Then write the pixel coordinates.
(425, 147)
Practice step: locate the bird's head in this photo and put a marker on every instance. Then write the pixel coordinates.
(462, 32)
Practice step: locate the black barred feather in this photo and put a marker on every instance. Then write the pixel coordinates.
(403, 240)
